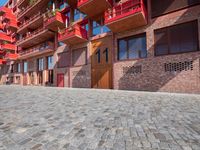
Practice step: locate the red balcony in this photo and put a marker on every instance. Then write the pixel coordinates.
(6, 47)
(9, 16)
(44, 48)
(35, 37)
(55, 21)
(4, 10)
(94, 7)
(2, 61)
(128, 15)
(5, 37)
(73, 35)
(12, 25)
(10, 56)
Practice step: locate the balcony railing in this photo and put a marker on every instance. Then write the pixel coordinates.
(31, 34)
(55, 20)
(126, 11)
(73, 35)
(47, 46)
(30, 20)
(28, 8)
(33, 38)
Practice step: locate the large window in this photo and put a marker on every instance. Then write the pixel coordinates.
(177, 39)
(63, 60)
(25, 67)
(50, 62)
(160, 7)
(40, 64)
(132, 47)
(79, 57)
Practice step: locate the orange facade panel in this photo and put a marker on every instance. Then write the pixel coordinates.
(94, 7)
(128, 15)
(55, 21)
(73, 35)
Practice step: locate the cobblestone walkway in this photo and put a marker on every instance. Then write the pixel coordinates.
(79, 119)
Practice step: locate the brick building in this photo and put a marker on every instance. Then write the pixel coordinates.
(149, 45)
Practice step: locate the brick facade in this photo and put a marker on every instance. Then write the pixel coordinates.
(168, 73)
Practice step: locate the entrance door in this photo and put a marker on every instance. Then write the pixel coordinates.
(102, 64)
(60, 80)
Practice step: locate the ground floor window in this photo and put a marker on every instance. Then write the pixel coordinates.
(40, 64)
(25, 67)
(132, 47)
(50, 62)
(177, 39)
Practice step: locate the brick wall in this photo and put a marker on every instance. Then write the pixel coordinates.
(153, 76)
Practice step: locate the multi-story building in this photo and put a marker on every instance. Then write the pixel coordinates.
(149, 45)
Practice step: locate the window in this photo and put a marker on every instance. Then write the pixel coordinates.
(63, 60)
(132, 47)
(177, 39)
(40, 64)
(18, 68)
(79, 57)
(160, 7)
(78, 15)
(50, 62)
(25, 67)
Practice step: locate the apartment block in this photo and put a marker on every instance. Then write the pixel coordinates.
(146, 45)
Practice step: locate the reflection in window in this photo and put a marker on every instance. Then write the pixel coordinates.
(78, 15)
(50, 62)
(25, 67)
(132, 47)
(99, 29)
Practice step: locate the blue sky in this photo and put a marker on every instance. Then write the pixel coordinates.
(2, 2)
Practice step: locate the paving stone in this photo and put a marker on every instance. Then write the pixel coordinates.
(42, 118)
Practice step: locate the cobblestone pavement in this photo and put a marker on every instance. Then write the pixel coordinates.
(80, 119)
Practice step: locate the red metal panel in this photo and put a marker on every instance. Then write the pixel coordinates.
(60, 80)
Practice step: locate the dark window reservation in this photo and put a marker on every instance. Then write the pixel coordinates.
(161, 7)
(177, 39)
